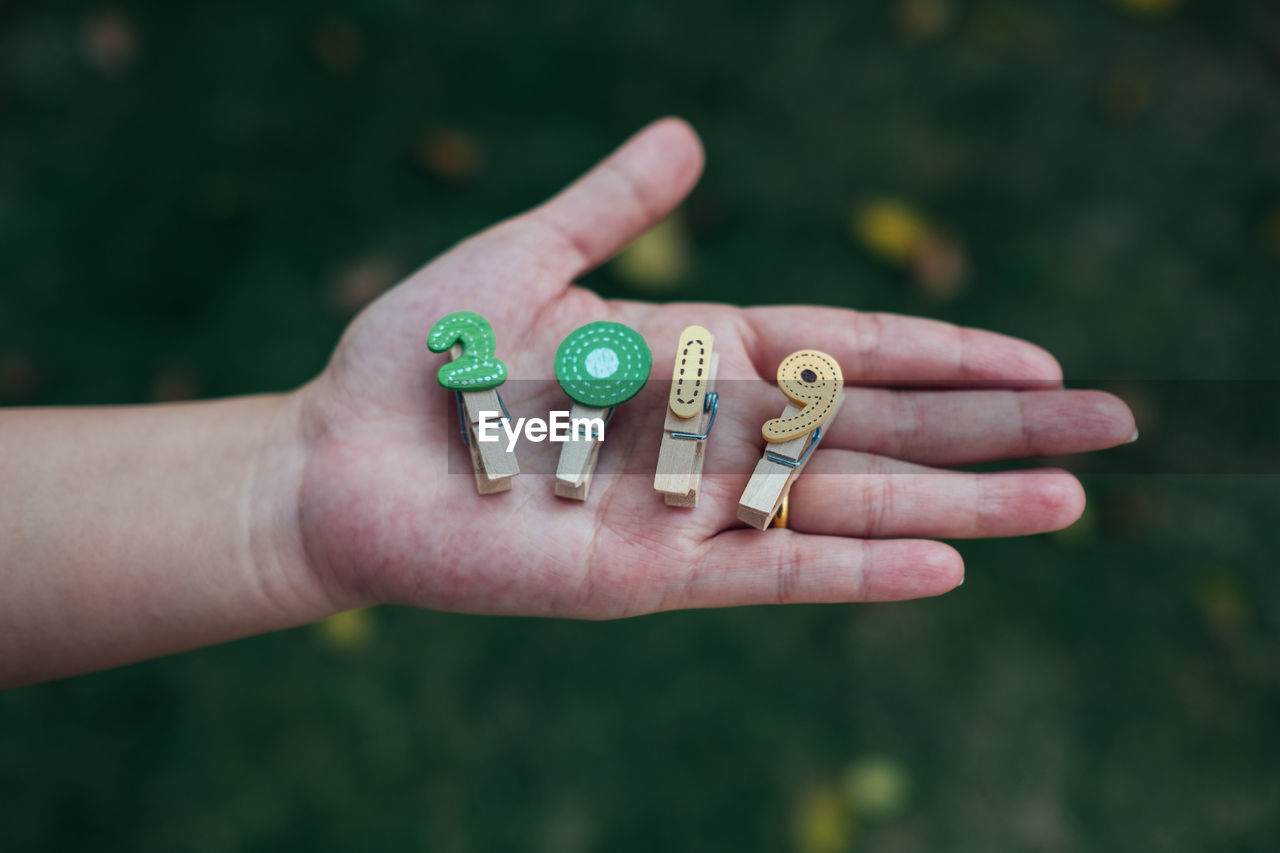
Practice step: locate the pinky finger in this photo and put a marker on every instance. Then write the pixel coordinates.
(739, 567)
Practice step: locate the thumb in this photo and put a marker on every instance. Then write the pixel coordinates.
(625, 195)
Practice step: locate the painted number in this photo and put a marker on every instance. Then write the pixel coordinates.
(689, 376)
(477, 368)
(810, 379)
(603, 364)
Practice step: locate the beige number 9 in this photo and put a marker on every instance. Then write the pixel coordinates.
(812, 380)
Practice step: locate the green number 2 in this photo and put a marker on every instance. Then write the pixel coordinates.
(477, 368)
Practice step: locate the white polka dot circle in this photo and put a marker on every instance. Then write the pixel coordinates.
(601, 363)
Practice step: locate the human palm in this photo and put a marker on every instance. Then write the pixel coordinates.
(383, 520)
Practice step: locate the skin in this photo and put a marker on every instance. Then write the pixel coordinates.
(135, 532)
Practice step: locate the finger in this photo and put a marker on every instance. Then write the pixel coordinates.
(844, 493)
(891, 349)
(625, 195)
(964, 427)
(740, 567)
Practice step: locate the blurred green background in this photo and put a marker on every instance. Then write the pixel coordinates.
(196, 197)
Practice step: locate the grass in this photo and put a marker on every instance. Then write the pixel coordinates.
(194, 199)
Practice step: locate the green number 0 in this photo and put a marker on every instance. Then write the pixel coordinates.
(477, 368)
(603, 364)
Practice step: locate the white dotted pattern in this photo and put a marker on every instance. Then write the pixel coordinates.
(581, 355)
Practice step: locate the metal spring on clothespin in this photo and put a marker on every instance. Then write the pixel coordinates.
(814, 438)
(608, 416)
(462, 418)
(710, 403)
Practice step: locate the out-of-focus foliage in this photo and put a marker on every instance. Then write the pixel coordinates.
(350, 630)
(195, 198)
(823, 822)
(658, 260)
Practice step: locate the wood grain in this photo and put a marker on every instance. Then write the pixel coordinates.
(772, 480)
(578, 457)
(680, 460)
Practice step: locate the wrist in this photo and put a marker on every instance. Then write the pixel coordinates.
(286, 571)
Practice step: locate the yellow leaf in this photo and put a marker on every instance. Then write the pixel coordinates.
(659, 259)
(349, 630)
(889, 229)
(823, 822)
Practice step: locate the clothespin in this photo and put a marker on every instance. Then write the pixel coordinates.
(600, 366)
(813, 383)
(473, 376)
(690, 413)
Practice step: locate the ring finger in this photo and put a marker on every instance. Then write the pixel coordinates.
(846, 493)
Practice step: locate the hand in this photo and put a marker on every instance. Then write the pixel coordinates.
(379, 520)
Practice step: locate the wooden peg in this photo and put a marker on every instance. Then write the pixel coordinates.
(494, 465)
(474, 374)
(578, 457)
(814, 384)
(600, 366)
(690, 412)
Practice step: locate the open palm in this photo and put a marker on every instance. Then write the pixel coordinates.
(382, 519)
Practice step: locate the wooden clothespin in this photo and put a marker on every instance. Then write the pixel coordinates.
(690, 413)
(600, 366)
(814, 384)
(473, 376)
